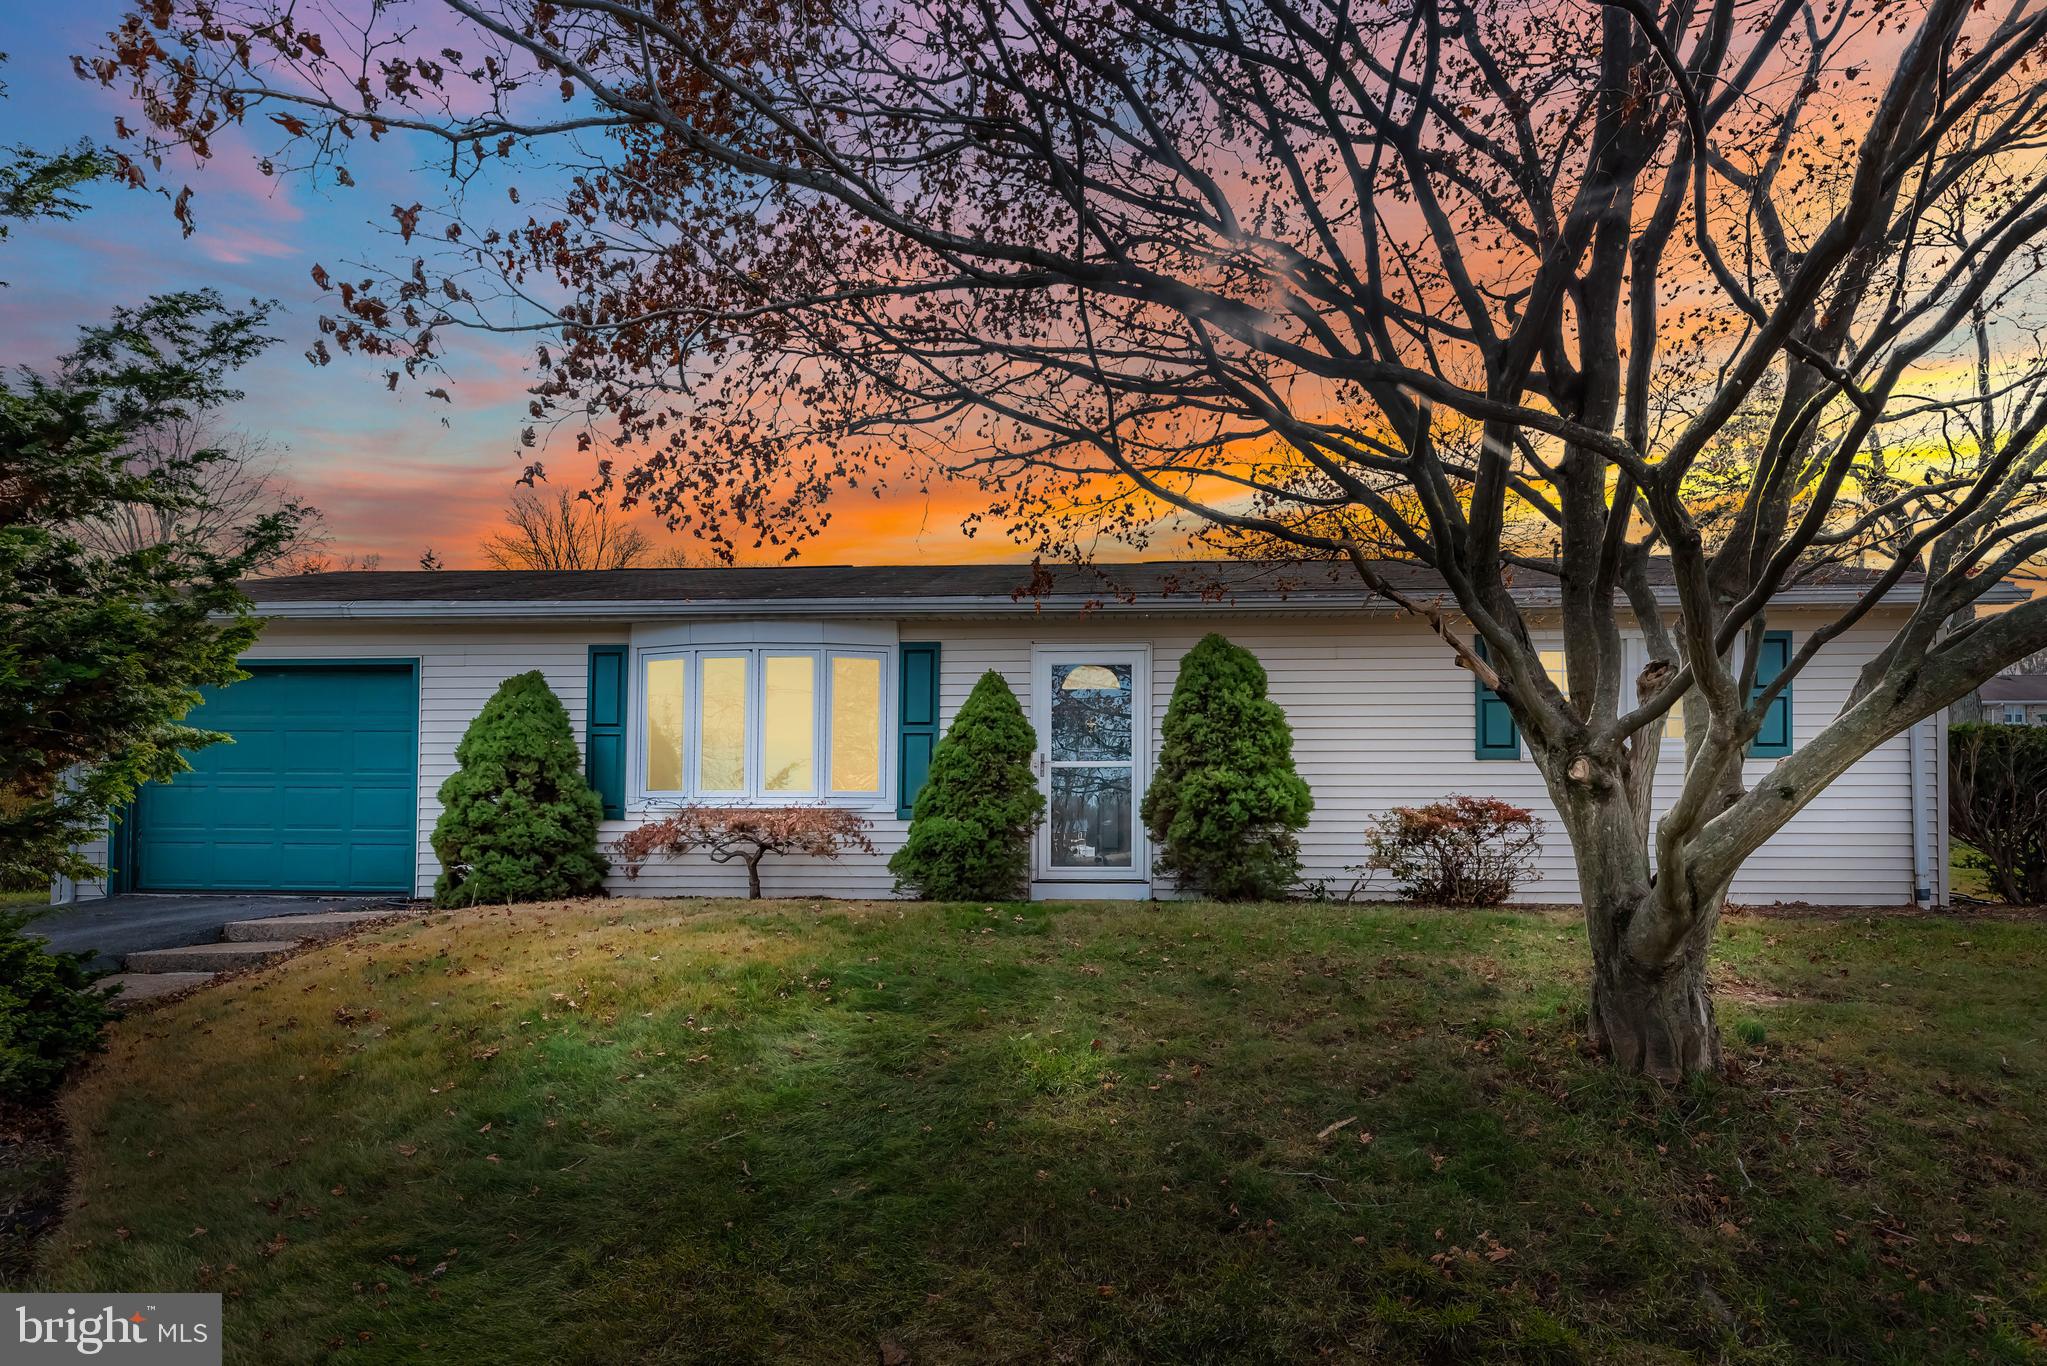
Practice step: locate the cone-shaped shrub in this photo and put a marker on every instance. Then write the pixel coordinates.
(970, 831)
(1225, 801)
(518, 820)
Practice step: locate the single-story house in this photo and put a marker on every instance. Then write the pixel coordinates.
(2015, 700)
(833, 683)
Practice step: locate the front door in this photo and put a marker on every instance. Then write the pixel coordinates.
(1093, 727)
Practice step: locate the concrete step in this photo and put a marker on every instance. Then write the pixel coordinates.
(209, 957)
(147, 986)
(316, 925)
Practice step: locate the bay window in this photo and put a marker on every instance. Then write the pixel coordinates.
(761, 723)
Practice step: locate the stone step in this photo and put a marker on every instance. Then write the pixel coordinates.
(315, 925)
(147, 986)
(209, 957)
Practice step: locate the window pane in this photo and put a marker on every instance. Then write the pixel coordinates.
(666, 681)
(1091, 711)
(789, 723)
(1091, 816)
(721, 761)
(856, 724)
(1553, 665)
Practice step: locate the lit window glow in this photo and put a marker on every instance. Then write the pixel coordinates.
(721, 748)
(789, 724)
(762, 724)
(856, 723)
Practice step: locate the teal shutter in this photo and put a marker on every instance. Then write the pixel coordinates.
(1773, 741)
(916, 722)
(604, 728)
(1495, 736)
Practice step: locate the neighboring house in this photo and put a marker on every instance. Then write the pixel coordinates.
(832, 684)
(2015, 699)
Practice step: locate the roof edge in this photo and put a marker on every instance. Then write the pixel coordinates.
(1321, 603)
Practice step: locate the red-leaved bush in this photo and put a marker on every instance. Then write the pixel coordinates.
(746, 833)
(1462, 851)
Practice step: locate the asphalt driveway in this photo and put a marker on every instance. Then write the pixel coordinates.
(120, 925)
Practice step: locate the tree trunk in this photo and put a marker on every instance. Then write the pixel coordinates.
(1656, 1019)
(1651, 1011)
(753, 877)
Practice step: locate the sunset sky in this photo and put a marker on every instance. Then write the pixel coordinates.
(393, 473)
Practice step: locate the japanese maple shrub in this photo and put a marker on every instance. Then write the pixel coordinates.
(1225, 802)
(518, 820)
(1462, 851)
(970, 830)
(746, 834)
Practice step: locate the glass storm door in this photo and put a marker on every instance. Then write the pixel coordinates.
(1093, 725)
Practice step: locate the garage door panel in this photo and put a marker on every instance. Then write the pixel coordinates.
(315, 807)
(318, 866)
(382, 808)
(181, 809)
(316, 794)
(386, 865)
(245, 863)
(251, 751)
(233, 806)
(181, 866)
(317, 751)
(388, 751)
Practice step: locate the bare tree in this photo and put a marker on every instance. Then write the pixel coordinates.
(315, 562)
(234, 479)
(1729, 292)
(563, 532)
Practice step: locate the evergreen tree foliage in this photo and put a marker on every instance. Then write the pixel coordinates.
(519, 822)
(970, 831)
(103, 651)
(51, 1012)
(1225, 801)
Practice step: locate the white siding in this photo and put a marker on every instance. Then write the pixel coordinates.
(1381, 717)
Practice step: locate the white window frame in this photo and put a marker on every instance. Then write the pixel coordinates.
(757, 651)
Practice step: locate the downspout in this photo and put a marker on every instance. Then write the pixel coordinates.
(1922, 885)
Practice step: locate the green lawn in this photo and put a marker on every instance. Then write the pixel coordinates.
(686, 1131)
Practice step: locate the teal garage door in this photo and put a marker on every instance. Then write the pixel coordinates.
(316, 794)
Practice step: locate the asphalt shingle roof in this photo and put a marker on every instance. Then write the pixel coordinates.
(2015, 688)
(1149, 585)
